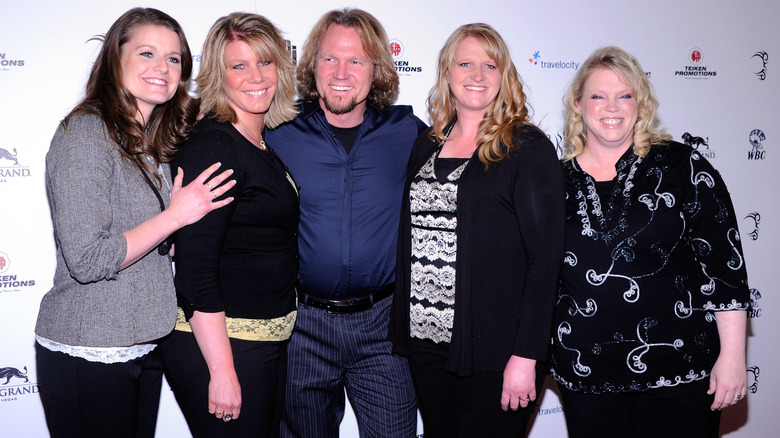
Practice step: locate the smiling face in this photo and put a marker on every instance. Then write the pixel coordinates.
(151, 67)
(473, 77)
(609, 110)
(343, 73)
(250, 83)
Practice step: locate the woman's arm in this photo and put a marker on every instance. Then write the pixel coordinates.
(188, 205)
(729, 374)
(224, 390)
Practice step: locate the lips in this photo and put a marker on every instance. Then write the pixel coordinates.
(155, 81)
(475, 87)
(611, 122)
(256, 93)
(341, 87)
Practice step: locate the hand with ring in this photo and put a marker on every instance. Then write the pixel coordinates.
(227, 418)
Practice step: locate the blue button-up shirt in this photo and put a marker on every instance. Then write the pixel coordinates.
(350, 202)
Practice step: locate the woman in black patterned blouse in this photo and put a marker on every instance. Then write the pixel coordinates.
(649, 332)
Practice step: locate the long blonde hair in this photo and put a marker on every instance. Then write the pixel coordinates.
(505, 113)
(384, 84)
(627, 67)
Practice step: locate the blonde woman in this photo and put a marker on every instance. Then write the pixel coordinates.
(236, 269)
(480, 247)
(649, 331)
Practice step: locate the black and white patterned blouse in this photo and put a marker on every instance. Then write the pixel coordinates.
(649, 258)
(433, 201)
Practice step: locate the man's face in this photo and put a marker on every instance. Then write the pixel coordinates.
(343, 72)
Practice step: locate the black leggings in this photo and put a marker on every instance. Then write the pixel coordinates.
(679, 411)
(93, 399)
(452, 406)
(261, 368)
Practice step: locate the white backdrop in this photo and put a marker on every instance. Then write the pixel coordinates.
(711, 63)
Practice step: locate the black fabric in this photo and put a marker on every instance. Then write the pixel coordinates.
(510, 248)
(84, 399)
(681, 411)
(346, 136)
(452, 406)
(261, 368)
(241, 258)
(648, 261)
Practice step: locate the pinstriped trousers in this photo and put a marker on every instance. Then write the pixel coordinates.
(328, 353)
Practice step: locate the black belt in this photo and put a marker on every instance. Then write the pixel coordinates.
(348, 305)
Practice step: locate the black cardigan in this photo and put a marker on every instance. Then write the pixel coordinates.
(510, 249)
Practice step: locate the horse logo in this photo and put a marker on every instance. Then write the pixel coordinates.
(695, 142)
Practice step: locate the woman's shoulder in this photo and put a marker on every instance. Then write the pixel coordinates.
(211, 141)
(526, 133)
(670, 152)
(82, 135)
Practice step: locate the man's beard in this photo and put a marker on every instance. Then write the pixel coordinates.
(339, 106)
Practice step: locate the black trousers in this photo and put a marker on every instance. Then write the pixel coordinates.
(464, 407)
(681, 411)
(261, 369)
(92, 399)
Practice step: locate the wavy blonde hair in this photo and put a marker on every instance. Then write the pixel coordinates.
(505, 113)
(646, 132)
(266, 42)
(384, 84)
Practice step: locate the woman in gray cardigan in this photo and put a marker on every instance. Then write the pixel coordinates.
(109, 184)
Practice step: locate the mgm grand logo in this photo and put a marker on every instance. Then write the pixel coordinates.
(9, 165)
(16, 384)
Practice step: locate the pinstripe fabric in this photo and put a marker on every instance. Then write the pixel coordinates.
(330, 352)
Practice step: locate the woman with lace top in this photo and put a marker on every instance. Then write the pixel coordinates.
(113, 206)
(481, 243)
(649, 330)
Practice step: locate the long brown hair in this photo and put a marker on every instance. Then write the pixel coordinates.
(107, 96)
(509, 109)
(384, 84)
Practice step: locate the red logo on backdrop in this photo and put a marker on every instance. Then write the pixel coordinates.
(396, 48)
(696, 55)
(4, 262)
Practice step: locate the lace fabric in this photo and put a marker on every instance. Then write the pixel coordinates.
(107, 355)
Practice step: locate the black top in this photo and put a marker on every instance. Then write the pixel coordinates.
(510, 248)
(241, 258)
(647, 262)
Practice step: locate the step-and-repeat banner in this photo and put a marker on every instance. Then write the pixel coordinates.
(713, 64)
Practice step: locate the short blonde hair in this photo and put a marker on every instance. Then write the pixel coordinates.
(266, 42)
(505, 113)
(627, 67)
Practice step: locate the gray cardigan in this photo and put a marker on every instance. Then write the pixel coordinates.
(95, 195)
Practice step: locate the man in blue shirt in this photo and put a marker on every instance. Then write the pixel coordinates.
(348, 150)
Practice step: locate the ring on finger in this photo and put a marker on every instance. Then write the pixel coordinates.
(217, 412)
(227, 417)
(214, 192)
(737, 396)
(209, 186)
(527, 399)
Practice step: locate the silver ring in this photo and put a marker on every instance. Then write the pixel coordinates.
(737, 396)
(227, 417)
(527, 399)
